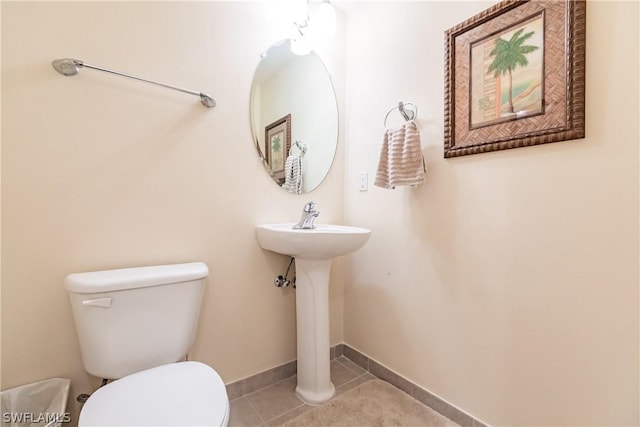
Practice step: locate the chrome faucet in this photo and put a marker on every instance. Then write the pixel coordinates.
(309, 214)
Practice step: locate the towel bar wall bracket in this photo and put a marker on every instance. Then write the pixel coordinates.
(71, 67)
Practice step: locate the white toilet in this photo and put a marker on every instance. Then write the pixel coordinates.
(134, 326)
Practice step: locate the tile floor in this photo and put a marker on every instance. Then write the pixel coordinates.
(277, 403)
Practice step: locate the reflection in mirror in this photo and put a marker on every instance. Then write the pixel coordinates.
(294, 118)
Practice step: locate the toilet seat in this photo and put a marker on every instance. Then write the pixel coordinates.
(177, 394)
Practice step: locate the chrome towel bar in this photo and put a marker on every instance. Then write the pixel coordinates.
(71, 67)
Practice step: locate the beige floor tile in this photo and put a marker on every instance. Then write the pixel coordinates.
(351, 366)
(376, 403)
(340, 374)
(287, 416)
(275, 400)
(242, 414)
(354, 383)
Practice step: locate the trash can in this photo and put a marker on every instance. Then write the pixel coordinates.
(38, 404)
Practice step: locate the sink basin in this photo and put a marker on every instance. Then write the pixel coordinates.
(323, 242)
(314, 251)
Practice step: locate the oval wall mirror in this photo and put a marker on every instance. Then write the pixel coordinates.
(294, 118)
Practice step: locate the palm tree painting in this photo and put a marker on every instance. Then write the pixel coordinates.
(278, 143)
(276, 147)
(507, 74)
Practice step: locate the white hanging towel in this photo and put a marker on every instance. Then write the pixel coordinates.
(401, 161)
(293, 174)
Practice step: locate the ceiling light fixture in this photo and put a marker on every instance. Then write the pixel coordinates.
(308, 30)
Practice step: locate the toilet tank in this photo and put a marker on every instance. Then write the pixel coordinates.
(133, 319)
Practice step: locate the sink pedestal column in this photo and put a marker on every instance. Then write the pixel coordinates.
(312, 314)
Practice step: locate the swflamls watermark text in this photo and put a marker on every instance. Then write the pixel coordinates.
(31, 417)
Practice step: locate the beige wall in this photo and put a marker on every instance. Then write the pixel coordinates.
(101, 172)
(508, 283)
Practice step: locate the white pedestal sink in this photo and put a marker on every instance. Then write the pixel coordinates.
(313, 249)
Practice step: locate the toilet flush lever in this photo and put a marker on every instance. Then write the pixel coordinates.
(98, 302)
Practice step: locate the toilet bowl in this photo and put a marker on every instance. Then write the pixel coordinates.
(135, 327)
(177, 394)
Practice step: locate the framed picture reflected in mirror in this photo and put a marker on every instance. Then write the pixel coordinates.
(278, 140)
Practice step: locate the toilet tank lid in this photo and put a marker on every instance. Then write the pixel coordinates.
(131, 278)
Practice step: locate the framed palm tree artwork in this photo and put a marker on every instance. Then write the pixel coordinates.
(278, 141)
(515, 77)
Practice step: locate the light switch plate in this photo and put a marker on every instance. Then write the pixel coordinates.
(364, 181)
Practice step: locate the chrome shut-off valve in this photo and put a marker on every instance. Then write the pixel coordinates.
(283, 281)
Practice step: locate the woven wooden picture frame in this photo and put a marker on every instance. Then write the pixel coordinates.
(515, 77)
